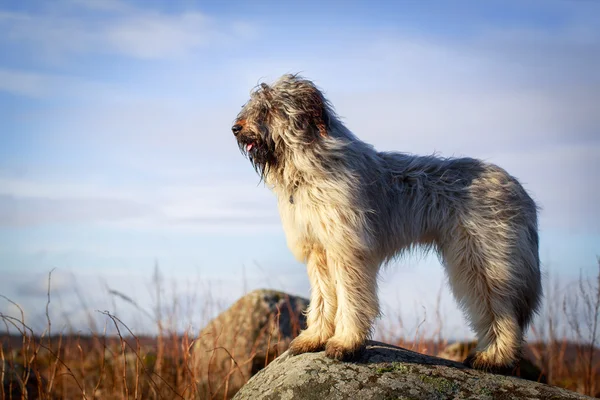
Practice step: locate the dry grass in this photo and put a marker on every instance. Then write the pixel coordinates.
(570, 311)
(127, 366)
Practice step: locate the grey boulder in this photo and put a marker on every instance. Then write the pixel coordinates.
(383, 371)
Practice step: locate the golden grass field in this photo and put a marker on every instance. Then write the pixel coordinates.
(563, 343)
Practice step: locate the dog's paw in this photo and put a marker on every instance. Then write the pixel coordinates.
(305, 344)
(478, 360)
(339, 350)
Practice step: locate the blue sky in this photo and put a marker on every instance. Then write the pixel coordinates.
(116, 153)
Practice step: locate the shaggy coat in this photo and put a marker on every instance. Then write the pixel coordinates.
(348, 209)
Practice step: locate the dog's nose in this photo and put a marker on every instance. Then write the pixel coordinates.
(236, 129)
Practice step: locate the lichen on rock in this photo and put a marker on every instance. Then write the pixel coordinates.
(383, 371)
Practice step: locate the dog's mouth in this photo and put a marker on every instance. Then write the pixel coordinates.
(248, 145)
(261, 153)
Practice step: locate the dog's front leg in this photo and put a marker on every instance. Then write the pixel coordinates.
(357, 306)
(322, 308)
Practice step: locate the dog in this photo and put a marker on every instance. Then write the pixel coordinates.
(348, 209)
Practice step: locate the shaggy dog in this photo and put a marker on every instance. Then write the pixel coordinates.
(348, 209)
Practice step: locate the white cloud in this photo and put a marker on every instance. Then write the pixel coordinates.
(99, 5)
(22, 83)
(154, 36)
(56, 190)
(205, 207)
(33, 211)
(125, 30)
(51, 86)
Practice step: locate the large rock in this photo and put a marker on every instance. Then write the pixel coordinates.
(387, 372)
(244, 339)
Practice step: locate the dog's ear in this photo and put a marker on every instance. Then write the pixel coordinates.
(303, 105)
(318, 113)
(312, 117)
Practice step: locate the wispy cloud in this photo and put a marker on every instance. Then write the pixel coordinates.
(122, 30)
(31, 211)
(23, 83)
(213, 206)
(41, 85)
(155, 36)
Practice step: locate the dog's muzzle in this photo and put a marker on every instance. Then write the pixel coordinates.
(237, 129)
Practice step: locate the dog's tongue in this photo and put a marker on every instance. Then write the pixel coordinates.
(249, 146)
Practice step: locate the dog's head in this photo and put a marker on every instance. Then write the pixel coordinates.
(288, 116)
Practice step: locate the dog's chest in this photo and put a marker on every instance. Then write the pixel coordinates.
(298, 214)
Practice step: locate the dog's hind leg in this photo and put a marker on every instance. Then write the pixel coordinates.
(357, 307)
(322, 308)
(494, 280)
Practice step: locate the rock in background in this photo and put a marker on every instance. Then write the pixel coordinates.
(244, 339)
